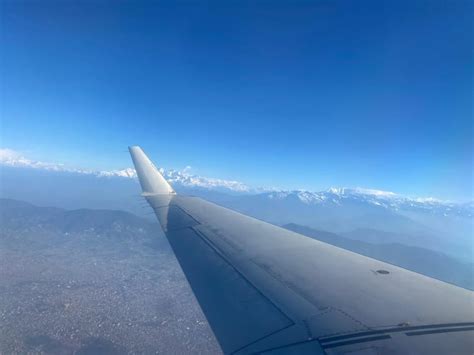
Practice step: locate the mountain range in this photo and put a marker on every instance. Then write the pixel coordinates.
(361, 214)
(421, 260)
(365, 215)
(39, 227)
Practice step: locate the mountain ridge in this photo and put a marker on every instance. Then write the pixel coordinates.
(417, 259)
(185, 178)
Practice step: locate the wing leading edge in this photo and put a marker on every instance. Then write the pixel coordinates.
(265, 289)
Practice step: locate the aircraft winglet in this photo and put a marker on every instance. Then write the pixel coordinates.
(151, 180)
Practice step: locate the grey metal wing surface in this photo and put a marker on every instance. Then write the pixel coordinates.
(264, 289)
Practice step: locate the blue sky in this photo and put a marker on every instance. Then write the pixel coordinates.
(305, 94)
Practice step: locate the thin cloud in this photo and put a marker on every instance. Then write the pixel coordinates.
(11, 157)
(184, 177)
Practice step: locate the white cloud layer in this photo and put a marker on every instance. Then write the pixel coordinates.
(11, 157)
(184, 177)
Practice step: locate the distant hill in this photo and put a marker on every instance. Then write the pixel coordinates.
(433, 225)
(421, 260)
(25, 223)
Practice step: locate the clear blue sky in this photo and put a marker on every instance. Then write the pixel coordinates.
(296, 94)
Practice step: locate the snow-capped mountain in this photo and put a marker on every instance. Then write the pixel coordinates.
(370, 216)
(331, 197)
(334, 195)
(384, 199)
(126, 173)
(185, 178)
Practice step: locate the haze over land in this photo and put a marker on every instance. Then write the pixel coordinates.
(90, 282)
(105, 281)
(99, 279)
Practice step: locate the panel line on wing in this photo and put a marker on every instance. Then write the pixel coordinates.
(417, 330)
(263, 337)
(173, 218)
(355, 341)
(437, 331)
(219, 252)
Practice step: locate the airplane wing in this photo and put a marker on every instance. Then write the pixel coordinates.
(264, 289)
